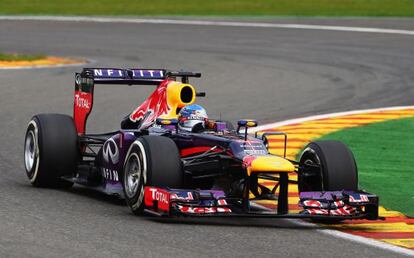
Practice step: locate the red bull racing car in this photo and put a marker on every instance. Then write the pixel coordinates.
(169, 159)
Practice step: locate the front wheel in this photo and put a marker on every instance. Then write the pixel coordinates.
(150, 161)
(327, 166)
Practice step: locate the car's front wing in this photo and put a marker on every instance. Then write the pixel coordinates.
(324, 205)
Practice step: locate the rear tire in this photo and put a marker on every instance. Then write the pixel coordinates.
(153, 161)
(335, 169)
(50, 150)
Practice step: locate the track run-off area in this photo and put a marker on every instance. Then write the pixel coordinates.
(267, 69)
(46, 62)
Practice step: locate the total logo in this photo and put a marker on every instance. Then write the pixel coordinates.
(82, 102)
(159, 196)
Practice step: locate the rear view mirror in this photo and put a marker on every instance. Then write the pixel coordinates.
(246, 123)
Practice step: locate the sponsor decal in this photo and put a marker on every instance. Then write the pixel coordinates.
(161, 196)
(221, 202)
(316, 211)
(110, 151)
(253, 147)
(155, 106)
(183, 196)
(151, 74)
(338, 204)
(81, 109)
(312, 203)
(322, 204)
(110, 174)
(82, 102)
(202, 210)
(193, 115)
(136, 73)
(358, 198)
(346, 210)
(108, 73)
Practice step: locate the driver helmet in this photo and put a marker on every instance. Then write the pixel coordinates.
(192, 117)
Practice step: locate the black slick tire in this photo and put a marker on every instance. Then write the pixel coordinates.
(150, 161)
(51, 150)
(334, 167)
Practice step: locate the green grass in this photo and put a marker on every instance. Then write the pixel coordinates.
(211, 7)
(19, 57)
(385, 157)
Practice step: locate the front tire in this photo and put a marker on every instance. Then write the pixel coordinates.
(327, 166)
(150, 161)
(50, 150)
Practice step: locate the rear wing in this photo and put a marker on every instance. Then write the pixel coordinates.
(86, 80)
(134, 76)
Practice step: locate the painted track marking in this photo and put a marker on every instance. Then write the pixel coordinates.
(48, 62)
(208, 23)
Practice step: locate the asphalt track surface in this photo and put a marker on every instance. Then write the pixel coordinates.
(268, 74)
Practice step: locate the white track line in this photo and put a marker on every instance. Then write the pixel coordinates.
(358, 239)
(207, 23)
(323, 116)
(331, 232)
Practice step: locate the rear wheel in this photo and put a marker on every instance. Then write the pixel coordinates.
(153, 161)
(50, 150)
(327, 166)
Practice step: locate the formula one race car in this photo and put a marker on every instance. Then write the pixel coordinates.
(170, 159)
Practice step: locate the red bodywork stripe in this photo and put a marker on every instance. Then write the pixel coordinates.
(194, 150)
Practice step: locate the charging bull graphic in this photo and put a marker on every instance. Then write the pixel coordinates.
(166, 101)
(155, 106)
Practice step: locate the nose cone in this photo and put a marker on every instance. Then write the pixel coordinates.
(267, 163)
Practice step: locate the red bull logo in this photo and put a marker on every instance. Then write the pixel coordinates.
(156, 105)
